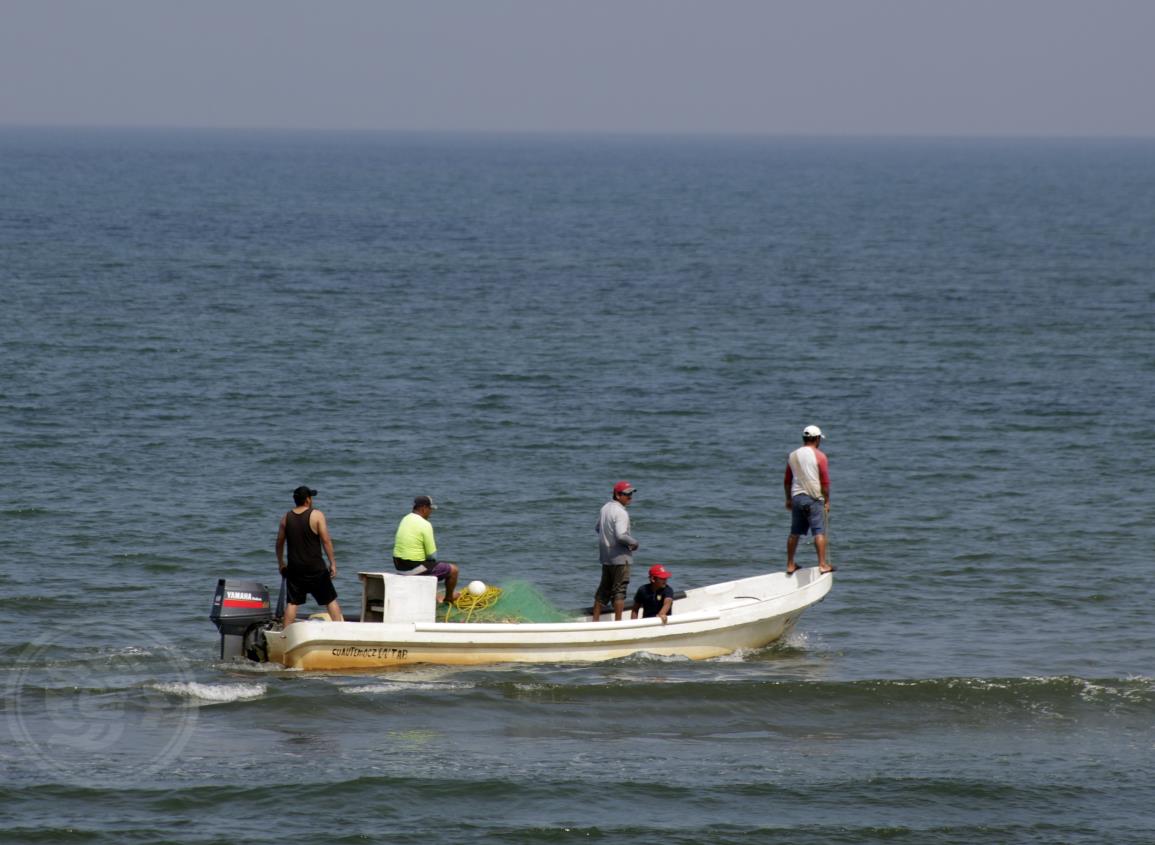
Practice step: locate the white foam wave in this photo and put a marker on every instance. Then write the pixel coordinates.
(796, 639)
(650, 657)
(213, 693)
(737, 656)
(250, 668)
(392, 687)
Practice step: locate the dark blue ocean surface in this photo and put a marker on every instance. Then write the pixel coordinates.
(197, 322)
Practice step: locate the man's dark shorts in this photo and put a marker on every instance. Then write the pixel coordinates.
(613, 585)
(298, 588)
(807, 514)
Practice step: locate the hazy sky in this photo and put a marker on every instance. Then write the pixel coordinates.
(1037, 67)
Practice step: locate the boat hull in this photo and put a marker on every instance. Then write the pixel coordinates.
(709, 622)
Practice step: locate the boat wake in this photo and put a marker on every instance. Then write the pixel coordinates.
(401, 687)
(207, 694)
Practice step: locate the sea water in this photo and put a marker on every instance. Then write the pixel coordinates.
(197, 322)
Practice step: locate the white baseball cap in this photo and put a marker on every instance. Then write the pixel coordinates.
(812, 431)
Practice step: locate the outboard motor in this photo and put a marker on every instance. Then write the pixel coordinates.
(241, 610)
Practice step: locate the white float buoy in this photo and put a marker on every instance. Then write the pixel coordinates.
(476, 588)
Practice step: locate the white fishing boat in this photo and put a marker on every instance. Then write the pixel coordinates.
(398, 626)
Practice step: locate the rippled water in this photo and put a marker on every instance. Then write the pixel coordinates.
(198, 322)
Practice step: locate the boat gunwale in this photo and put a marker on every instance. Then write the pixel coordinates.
(577, 631)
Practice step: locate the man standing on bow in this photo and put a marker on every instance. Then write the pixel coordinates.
(615, 548)
(807, 485)
(306, 532)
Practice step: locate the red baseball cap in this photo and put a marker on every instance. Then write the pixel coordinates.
(659, 571)
(623, 487)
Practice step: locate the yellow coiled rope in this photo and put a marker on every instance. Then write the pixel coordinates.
(467, 603)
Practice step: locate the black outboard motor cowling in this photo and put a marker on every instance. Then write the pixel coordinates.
(239, 608)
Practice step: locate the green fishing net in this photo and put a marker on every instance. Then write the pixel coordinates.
(517, 601)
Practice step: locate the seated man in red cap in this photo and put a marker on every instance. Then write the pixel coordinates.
(655, 598)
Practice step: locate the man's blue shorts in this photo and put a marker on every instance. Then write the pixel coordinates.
(807, 514)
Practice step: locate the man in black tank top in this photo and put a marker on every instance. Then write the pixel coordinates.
(306, 532)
